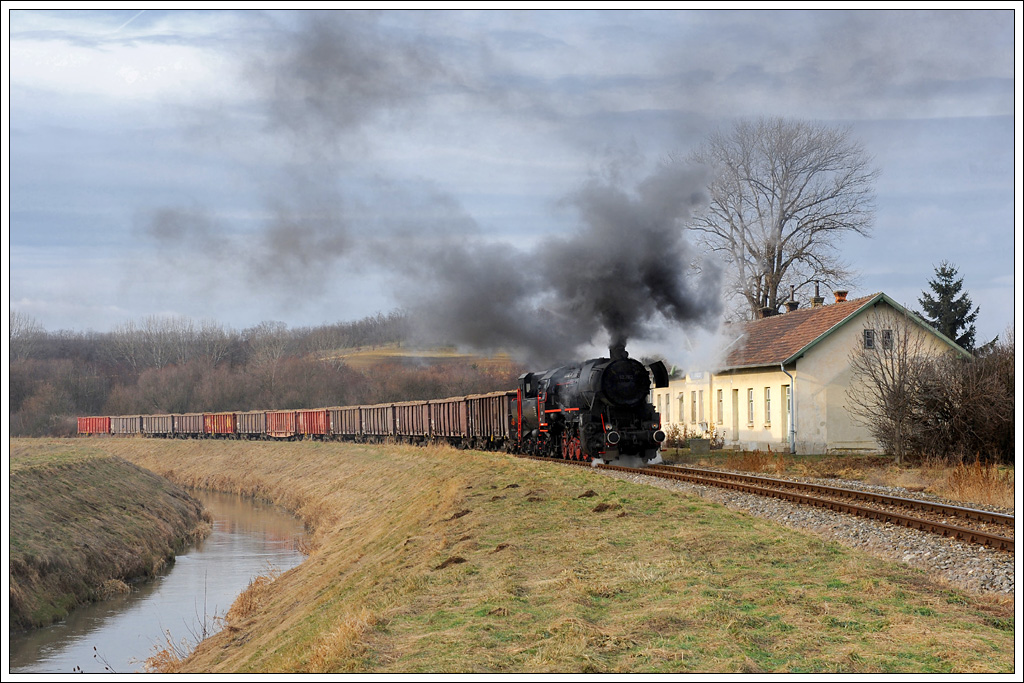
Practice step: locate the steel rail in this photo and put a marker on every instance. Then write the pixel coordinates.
(866, 496)
(941, 528)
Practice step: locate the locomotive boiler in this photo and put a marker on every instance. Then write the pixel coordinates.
(597, 410)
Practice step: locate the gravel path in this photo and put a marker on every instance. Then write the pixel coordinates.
(967, 566)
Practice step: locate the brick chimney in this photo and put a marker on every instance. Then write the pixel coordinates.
(840, 295)
(792, 304)
(818, 299)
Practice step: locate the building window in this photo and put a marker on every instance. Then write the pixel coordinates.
(869, 339)
(700, 406)
(750, 406)
(720, 406)
(787, 406)
(682, 407)
(693, 407)
(887, 340)
(767, 405)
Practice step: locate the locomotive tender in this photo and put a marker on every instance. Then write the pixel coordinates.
(597, 410)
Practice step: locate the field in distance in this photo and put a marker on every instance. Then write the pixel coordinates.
(364, 357)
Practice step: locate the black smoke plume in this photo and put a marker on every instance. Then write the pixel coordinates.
(624, 274)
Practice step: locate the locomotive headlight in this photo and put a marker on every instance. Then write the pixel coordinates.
(612, 437)
(659, 436)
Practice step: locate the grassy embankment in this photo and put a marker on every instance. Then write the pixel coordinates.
(82, 523)
(970, 483)
(435, 560)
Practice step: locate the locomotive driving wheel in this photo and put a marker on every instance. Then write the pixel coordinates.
(571, 447)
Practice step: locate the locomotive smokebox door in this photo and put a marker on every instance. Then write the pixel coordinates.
(660, 373)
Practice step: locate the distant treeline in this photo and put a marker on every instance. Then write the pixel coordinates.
(176, 365)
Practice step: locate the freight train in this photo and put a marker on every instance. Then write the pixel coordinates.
(596, 411)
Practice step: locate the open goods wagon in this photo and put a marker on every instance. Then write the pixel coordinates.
(93, 425)
(220, 425)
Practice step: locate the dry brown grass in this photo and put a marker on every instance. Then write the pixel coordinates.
(336, 648)
(975, 483)
(981, 482)
(82, 523)
(656, 582)
(169, 658)
(252, 598)
(757, 461)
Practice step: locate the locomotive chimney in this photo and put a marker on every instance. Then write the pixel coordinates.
(617, 352)
(840, 295)
(818, 299)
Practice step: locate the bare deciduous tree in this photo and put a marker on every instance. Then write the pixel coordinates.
(782, 194)
(268, 343)
(25, 335)
(885, 388)
(914, 400)
(967, 405)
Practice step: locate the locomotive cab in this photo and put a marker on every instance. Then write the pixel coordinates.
(527, 385)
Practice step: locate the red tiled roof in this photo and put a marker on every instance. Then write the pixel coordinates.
(777, 338)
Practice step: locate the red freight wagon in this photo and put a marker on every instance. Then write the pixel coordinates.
(251, 424)
(94, 425)
(220, 425)
(412, 420)
(189, 425)
(158, 425)
(313, 422)
(281, 424)
(448, 419)
(377, 420)
(126, 424)
(345, 421)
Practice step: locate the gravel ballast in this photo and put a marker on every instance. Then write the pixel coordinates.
(966, 566)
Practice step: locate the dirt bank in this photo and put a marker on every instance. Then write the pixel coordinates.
(85, 524)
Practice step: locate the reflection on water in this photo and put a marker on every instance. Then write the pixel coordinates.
(249, 538)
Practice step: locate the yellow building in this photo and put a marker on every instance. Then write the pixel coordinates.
(783, 383)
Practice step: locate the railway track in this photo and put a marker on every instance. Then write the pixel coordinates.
(970, 525)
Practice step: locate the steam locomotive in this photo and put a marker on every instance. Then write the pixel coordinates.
(597, 410)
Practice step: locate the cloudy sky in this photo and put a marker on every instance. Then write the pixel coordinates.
(321, 166)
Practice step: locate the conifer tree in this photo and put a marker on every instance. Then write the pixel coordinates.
(946, 309)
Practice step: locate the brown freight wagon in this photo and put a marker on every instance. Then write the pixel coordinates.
(313, 423)
(189, 426)
(345, 422)
(251, 424)
(281, 424)
(126, 425)
(412, 421)
(488, 419)
(378, 421)
(161, 426)
(220, 425)
(93, 425)
(448, 420)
